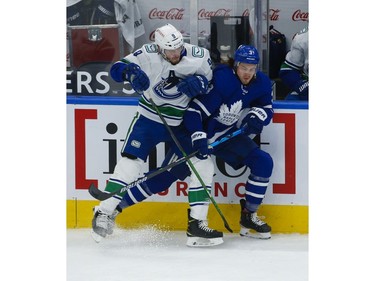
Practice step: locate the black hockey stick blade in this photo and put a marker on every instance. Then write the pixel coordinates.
(227, 226)
(98, 194)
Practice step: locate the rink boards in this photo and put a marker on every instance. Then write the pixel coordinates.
(96, 128)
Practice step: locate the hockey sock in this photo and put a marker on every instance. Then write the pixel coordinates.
(109, 205)
(134, 195)
(126, 171)
(113, 185)
(142, 191)
(256, 188)
(199, 202)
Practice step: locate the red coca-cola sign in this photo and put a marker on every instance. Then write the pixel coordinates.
(171, 14)
(274, 14)
(298, 15)
(203, 14)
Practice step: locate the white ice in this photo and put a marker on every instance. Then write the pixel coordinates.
(153, 254)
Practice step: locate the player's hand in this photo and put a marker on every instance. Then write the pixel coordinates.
(193, 85)
(200, 144)
(253, 125)
(254, 121)
(137, 77)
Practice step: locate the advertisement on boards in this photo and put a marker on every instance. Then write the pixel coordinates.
(95, 134)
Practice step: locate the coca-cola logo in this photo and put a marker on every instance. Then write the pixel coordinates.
(171, 14)
(300, 16)
(274, 14)
(203, 14)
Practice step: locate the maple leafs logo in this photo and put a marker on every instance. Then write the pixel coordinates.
(229, 116)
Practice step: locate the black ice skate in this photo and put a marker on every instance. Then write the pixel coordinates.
(251, 225)
(200, 235)
(102, 224)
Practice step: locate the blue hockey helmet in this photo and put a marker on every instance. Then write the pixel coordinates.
(246, 54)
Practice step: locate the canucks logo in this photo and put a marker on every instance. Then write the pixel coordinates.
(229, 115)
(166, 88)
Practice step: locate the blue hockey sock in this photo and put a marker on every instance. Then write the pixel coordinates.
(256, 188)
(142, 191)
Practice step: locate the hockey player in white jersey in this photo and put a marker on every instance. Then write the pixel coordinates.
(294, 72)
(171, 73)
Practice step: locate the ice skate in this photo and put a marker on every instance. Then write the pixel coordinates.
(102, 224)
(251, 225)
(200, 235)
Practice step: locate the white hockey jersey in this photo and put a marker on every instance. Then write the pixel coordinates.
(129, 18)
(298, 56)
(164, 78)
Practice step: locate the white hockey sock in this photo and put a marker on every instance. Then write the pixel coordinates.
(199, 212)
(109, 205)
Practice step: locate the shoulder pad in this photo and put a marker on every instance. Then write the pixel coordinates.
(224, 79)
(219, 68)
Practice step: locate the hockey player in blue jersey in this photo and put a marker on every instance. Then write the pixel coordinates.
(241, 97)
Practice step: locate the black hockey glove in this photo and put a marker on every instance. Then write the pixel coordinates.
(193, 85)
(254, 121)
(200, 144)
(137, 77)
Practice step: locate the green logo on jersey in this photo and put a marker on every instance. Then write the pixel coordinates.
(151, 48)
(197, 52)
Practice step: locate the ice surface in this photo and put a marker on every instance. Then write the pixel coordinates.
(153, 254)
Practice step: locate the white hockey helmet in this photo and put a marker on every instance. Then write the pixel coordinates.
(168, 37)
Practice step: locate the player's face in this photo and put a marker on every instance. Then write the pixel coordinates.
(173, 55)
(246, 72)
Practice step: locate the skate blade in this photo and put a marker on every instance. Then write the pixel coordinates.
(203, 242)
(97, 238)
(245, 232)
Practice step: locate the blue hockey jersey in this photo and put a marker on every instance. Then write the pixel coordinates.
(224, 107)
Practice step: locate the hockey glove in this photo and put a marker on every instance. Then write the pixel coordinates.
(193, 85)
(254, 121)
(137, 77)
(200, 144)
(302, 88)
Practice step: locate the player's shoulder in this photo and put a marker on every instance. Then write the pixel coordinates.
(196, 52)
(263, 80)
(224, 79)
(223, 71)
(146, 50)
(264, 77)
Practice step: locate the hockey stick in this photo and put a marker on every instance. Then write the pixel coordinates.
(101, 195)
(191, 165)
